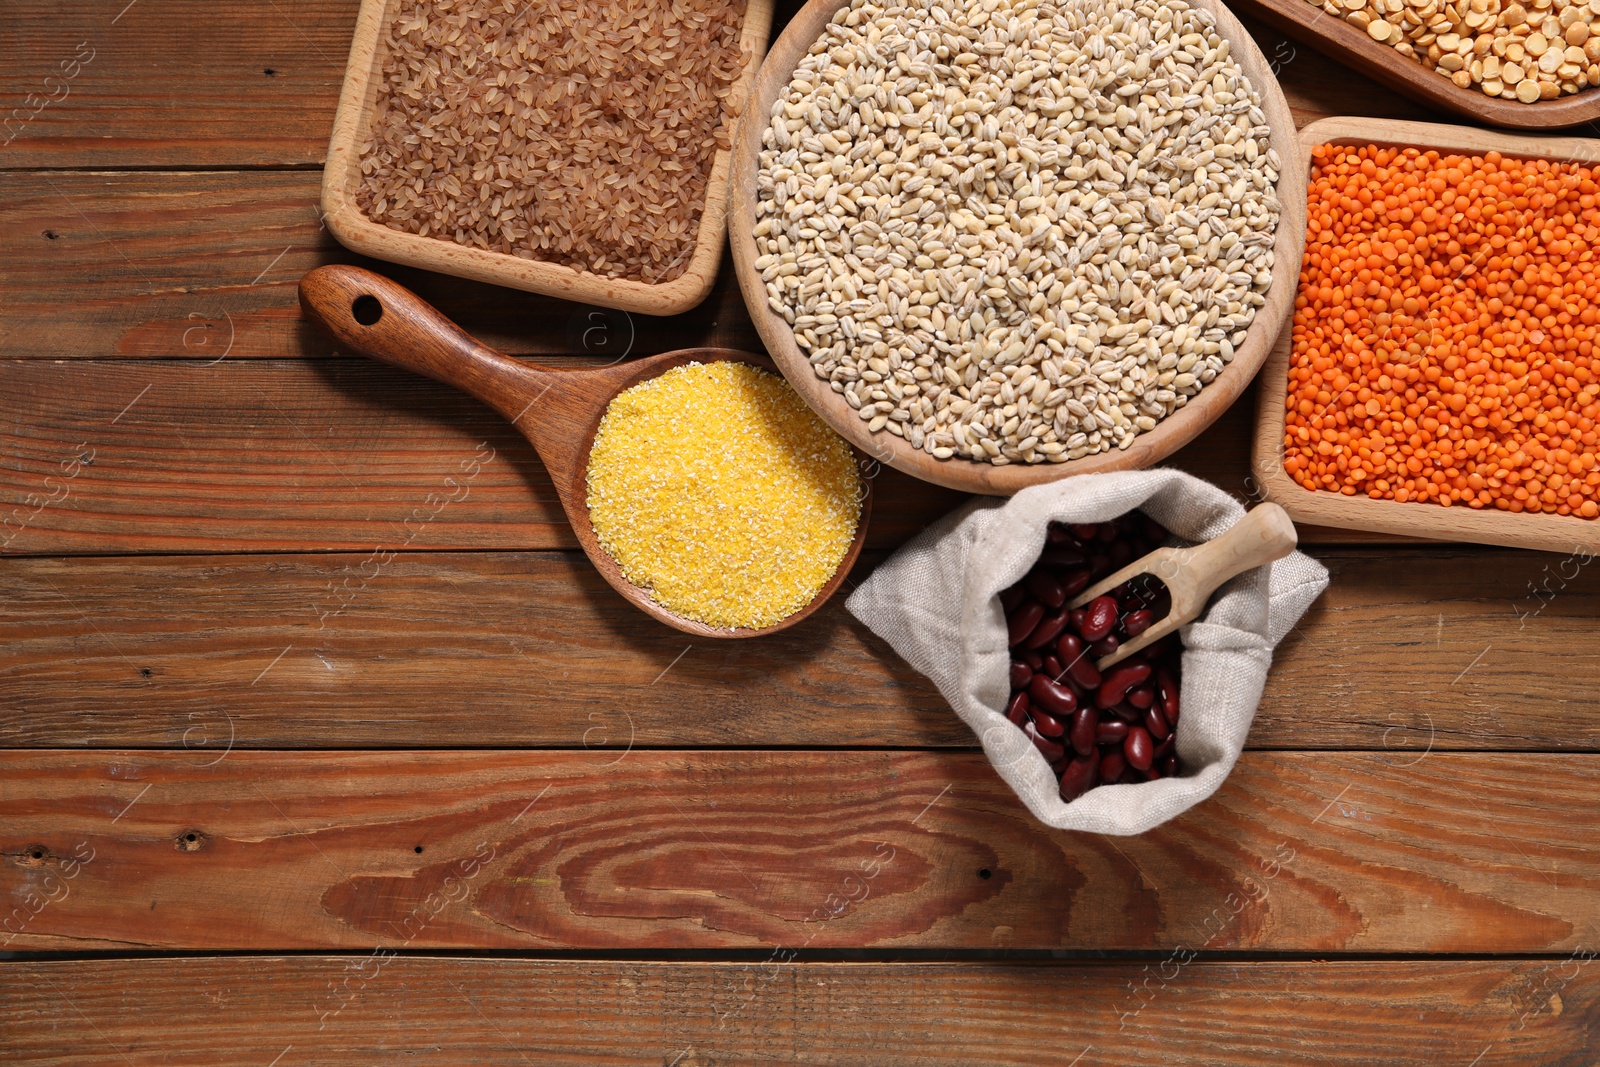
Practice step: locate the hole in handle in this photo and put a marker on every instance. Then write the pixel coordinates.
(367, 310)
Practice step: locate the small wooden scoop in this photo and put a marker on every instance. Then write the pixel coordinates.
(558, 411)
(1192, 574)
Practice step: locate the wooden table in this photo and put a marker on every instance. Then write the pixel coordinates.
(312, 757)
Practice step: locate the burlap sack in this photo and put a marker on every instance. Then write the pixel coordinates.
(936, 602)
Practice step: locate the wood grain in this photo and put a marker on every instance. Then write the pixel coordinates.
(1310, 852)
(558, 410)
(972, 476)
(371, 1009)
(1546, 531)
(341, 178)
(219, 83)
(1351, 46)
(1408, 651)
(203, 265)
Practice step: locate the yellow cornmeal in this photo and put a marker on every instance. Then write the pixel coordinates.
(717, 489)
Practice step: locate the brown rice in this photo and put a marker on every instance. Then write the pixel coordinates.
(579, 132)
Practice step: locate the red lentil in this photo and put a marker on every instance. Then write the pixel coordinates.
(1444, 332)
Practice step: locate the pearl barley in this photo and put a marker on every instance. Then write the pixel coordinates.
(1017, 231)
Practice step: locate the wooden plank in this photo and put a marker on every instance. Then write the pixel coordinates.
(474, 650)
(1312, 852)
(203, 265)
(1408, 651)
(342, 1010)
(175, 83)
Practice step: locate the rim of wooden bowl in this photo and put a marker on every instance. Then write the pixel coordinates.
(1172, 433)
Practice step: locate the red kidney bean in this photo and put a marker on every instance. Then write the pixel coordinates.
(1138, 749)
(1110, 732)
(1045, 588)
(1093, 726)
(1100, 615)
(1083, 671)
(1137, 622)
(1126, 712)
(1076, 582)
(1048, 725)
(1156, 724)
(1047, 630)
(1079, 776)
(1166, 684)
(1062, 557)
(1119, 680)
(1020, 674)
(1069, 646)
(1047, 748)
(1052, 697)
(1022, 622)
(1084, 725)
(1064, 552)
(1011, 597)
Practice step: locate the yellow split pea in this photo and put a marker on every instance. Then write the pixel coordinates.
(714, 487)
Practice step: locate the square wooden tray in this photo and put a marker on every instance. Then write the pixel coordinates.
(1554, 533)
(352, 124)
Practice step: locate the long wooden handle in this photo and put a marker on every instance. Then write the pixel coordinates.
(1263, 535)
(368, 313)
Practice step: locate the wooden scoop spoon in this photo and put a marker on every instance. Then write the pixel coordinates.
(1193, 574)
(558, 411)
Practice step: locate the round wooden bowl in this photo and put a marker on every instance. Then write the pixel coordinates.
(1172, 433)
